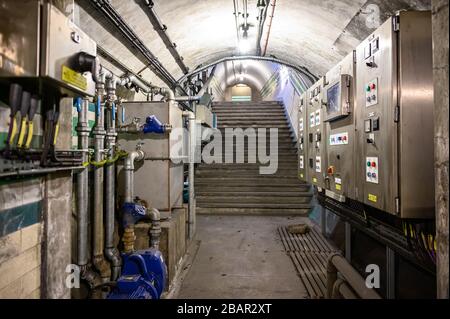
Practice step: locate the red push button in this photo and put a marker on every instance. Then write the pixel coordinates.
(374, 164)
(373, 86)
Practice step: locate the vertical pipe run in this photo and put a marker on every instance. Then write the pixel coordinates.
(111, 252)
(192, 149)
(82, 200)
(99, 135)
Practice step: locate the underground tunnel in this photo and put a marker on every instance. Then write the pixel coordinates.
(224, 149)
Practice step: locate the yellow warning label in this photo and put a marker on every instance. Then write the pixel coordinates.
(301, 175)
(74, 78)
(314, 180)
(373, 198)
(338, 187)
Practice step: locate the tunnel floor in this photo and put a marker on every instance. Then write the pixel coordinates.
(241, 257)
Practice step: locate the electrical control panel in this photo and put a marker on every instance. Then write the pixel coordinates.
(316, 138)
(302, 138)
(395, 129)
(339, 87)
(46, 49)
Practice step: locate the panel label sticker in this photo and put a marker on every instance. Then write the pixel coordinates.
(312, 119)
(317, 117)
(314, 180)
(74, 78)
(318, 164)
(373, 198)
(339, 139)
(338, 187)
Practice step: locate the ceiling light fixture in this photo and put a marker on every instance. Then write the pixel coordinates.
(244, 46)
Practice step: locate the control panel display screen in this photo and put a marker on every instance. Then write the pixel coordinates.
(333, 105)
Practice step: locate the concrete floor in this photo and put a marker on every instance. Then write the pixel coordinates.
(241, 257)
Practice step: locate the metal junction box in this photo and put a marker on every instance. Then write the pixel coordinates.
(395, 117)
(316, 140)
(302, 138)
(340, 137)
(159, 178)
(40, 41)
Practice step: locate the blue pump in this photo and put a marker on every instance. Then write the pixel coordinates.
(144, 272)
(143, 277)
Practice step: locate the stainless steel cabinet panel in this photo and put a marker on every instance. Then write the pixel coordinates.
(340, 117)
(316, 140)
(395, 122)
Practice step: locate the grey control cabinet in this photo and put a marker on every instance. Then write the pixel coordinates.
(395, 117)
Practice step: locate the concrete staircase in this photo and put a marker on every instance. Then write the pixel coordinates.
(239, 188)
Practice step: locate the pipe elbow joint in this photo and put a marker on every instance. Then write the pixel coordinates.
(113, 255)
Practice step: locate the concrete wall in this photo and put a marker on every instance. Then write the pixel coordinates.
(440, 49)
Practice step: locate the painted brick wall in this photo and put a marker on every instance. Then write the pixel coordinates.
(20, 238)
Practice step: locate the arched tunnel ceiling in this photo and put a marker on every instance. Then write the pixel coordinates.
(313, 34)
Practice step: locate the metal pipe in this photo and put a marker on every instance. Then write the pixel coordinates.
(137, 155)
(236, 19)
(192, 148)
(99, 142)
(200, 93)
(91, 277)
(148, 7)
(111, 15)
(111, 252)
(262, 15)
(155, 231)
(337, 263)
(269, 28)
(341, 289)
(300, 69)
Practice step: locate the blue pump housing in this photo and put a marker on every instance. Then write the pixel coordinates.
(143, 277)
(153, 125)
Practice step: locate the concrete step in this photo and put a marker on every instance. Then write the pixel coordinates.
(251, 103)
(217, 182)
(268, 199)
(253, 188)
(256, 116)
(252, 211)
(282, 164)
(230, 193)
(256, 205)
(204, 170)
(243, 110)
